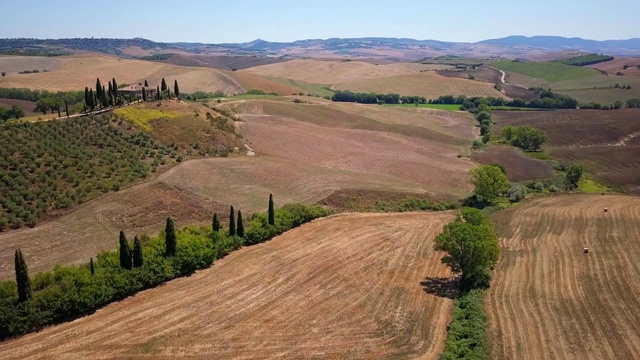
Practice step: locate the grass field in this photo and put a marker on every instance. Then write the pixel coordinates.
(607, 143)
(349, 286)
(548, 299)
(76, 72)
(304, 154)
(549, 71)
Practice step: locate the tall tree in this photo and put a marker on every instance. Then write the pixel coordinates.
(98, 89)
(163, 85)
(138, 258)
(232, 222)
(66, 107)
(170, 240)
(240, 227)
(92, 103)
(87, 99)
(110, 88)
(272, 211)
(215, 223)
(22, 277)
(105, 97)
(125, 252)
(146, 84)
(92, 267)
(59, 114)
(144, 94)
(115, 87)
(158, 93)
(176, 89)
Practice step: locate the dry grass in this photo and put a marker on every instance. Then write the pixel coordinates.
(344, 287)
(428, 84)
(14, 64)
(78, 71)
(548, 300)
(329, 72)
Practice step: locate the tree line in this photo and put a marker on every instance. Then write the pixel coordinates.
(71, 291)
(585, 60)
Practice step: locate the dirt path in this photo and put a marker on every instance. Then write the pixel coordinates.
(348, 286)
(548, 299)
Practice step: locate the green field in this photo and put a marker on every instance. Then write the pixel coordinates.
(550, 71)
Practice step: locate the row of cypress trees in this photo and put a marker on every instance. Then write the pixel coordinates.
(134, 258)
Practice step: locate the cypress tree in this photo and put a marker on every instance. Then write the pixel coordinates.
(22, 277)
(232, 222)
(170, 238)
(146, 83)
(59, 115)
(86, 96)
(92, 104)
(98, 89)
(163, 86)
(105, 97)
(110, 87)
(92, 267)
(125, 252)
(240, 230)
(215, 223)
(137, 253)
(158, 95)
(66, 107)
(144, 94)
(176, 89)
(114, 86)
(272, 212)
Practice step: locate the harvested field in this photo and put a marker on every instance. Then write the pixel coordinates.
(428, 84)
(304, 153)
(607, 143)
(28, 106)
(78, 71)
(250, 81)
(12, 65)
(329, 72)
(617, 64)
(349, 286)
(549, 300)
(221, 61)
(492, 76)
(519, 166)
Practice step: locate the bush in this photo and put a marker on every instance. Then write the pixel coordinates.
(516, 193)
(467, 335)
(553, 189)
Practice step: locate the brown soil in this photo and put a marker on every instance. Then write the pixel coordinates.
(27, 106)
(606, 142)
(519, 166)
(548, 299)
(350, 286)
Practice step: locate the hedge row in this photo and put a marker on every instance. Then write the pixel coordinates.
(69, 291)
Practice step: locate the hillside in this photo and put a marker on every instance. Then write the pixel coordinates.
(303, 294)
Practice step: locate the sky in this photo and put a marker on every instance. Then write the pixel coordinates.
(275, 20)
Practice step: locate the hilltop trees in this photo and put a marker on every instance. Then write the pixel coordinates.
(271, 213)
(170, 238)
(22, 277)
(489, 182)
(471, 246)
(125, 252)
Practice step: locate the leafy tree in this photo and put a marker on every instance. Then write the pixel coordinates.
(22, 277)
(272, 211)
(125, 252)
(215, 223)
(16, 112)
(232, 222)
(170, 238)
(489, 182)
(528, 138)
(240, 226)
(483, 115)
(4, 114)
(507, 132)
(574, 173)
(176, 89)
(471, 246)
(163, 85)
(138, 257)
(92, 267)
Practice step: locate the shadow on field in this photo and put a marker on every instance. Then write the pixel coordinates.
(446, 287)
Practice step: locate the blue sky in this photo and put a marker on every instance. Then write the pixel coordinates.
(274, 20)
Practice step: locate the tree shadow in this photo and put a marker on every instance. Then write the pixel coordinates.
(446, 287)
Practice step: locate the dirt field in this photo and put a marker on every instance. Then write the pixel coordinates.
(519, 166)
(617, 64)
(350, 286)
(75, 72)
(222, 62)
(428, 84)
(492, 76)
(548, 299)
(27, 106)
(606, 142)
(304, 153)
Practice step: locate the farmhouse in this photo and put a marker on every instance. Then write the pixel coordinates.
(136, 91)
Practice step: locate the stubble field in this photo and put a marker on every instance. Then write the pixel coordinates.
(548, 299)
(349, 286)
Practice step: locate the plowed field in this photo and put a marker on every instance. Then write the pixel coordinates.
(348, 286)
(548, 299)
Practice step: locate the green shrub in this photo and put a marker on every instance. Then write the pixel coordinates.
(467, 337)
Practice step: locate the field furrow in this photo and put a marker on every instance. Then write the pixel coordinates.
(549, 300)
(348, 286)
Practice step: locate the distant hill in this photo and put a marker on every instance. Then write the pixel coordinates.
(372, 47)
